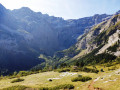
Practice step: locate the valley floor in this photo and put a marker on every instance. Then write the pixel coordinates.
(107, 80)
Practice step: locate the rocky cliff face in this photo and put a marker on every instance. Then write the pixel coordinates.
(106, 33)
(113, 39)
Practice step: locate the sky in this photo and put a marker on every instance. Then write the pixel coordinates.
(67, 9)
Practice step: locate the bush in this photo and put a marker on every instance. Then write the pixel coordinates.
(83, 79)
(73, 70)
(45, 88)
(109, 65)
(23, 73)
(63, 70)
(63, 86)
(17, 80)
(15, 88)
(113, 48)
(118, 60)
(11, 77)
(85, 69)
(112, 68)
(79, 75)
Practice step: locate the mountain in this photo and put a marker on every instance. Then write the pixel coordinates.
(105, 33)
(62, 33)
(15, 53)
(98, 45)
(25, 34)
(118, 12)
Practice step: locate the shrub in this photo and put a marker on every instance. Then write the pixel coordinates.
(118, 60)
(45, 88)
(23, 73)
(15, 88)
(72, 70)
(109, 65)
(83, 79)
(17, 80)
(113, 48)
(63, 86)
(85, 69)
(11, 77)
(112, 68)
(63, 70)
(79, 75)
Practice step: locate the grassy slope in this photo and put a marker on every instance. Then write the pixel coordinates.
(41, 80)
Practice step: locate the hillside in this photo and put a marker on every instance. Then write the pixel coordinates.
(101, 40)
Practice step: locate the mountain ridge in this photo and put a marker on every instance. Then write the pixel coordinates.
(25, 32)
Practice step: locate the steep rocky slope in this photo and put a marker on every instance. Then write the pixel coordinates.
(106, 33)
(101, 41)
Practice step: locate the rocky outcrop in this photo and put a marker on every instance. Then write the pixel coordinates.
(111, 41)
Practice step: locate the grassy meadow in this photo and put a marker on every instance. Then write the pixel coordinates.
(107, 80)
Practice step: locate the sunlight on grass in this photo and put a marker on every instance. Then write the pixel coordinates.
(106, 79)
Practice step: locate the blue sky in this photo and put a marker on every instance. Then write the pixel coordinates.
(68, 9)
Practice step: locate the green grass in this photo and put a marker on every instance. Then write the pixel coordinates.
(40, 80)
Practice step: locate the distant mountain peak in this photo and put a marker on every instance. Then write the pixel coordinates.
(96, 15)
(25, 8)
(23, 11)
(118, 12)
(2, 9)
(1, 6)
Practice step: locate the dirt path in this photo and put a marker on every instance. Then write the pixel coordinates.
(91, 86)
